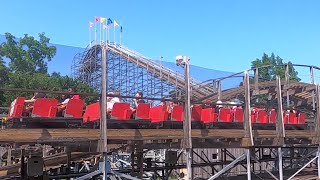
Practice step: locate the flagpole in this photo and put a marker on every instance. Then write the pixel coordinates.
(100, 31)
(90, 34)
(120, 35)
(95, 33)
(104, 34)
(108, 33)
(114, 33)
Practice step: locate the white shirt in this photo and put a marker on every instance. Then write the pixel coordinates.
(65, 101)
(112, 101)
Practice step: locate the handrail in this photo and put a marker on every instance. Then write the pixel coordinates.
(150, 62)
(253, 68)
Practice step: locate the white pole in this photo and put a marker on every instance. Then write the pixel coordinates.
(108, 33)
(120, 35)
(248, 164)
(114, 33)
(105, 34)
(280, 163)
(318, 155)
(90, 34)
(103, 123)
(95, 33)
(100, 32)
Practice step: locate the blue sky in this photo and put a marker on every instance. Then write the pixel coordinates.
(219, 34)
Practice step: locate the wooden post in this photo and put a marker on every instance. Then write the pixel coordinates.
(279, 123)
(219, 90)
(312, 93)
(44, 150)
(248, 138)
(139, 155)
(256, 81)
(132, 162)
(9, 156)
(68, 161)
(22, 169)
(287, 76)
(214, 86)
(316, 140)
(311, 75)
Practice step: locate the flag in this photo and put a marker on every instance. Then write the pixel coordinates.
(96, 19)
(104, 27)
(102, 19)
(115, 23)
(109, 23)
(91, 24)
(121, 29)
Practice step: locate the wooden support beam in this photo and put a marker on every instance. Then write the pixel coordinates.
(279, 141)
(256, 81)
(9, 156)
(139, 155)
(76, 136)
(311, 75)
(248, 138)
(22, 167)
(214, 82)
(219, 89)
(287, 76)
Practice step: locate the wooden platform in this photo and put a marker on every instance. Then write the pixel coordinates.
(88, 139)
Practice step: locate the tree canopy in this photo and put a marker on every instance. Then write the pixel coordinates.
(27, 54)
(27, 69)
(276, 68)
(269, 73)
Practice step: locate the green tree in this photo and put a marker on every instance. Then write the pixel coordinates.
(269, 73)
(4, 73)
(27, 54)
(55, 82)
(27, 69)
(276, 68)
(4, 77)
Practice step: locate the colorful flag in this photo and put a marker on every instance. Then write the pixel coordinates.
(96, 19)
(109, 23)
(121, 29)
(102, 19)
(104, 27)
(91, 24)
(115, 23)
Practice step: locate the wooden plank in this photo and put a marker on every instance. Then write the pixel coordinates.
(74, 135)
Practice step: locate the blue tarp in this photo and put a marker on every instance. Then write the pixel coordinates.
(64, 58)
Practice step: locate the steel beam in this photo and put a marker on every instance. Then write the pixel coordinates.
(229, 166)
(280, 163)
(291, 177)
(266, 169)
(318, 164)
(89, 175)
(103, 106)
(124, 175)
(248, 164)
